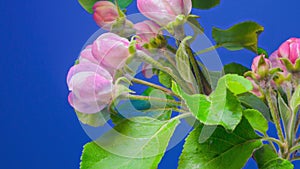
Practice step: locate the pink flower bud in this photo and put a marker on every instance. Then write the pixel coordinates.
(290, 49)
(91, 87)
(164, 11)
(261, 66)
(111, 51)
(105, 14)
(146, 30)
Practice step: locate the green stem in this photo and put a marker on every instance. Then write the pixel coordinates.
(294, 148)
(207, 50)
(291, 129)
(278, 142)
(167, 91)
(158, 65)
(295, 159)
(274, 113)
(147, 98)
(181, 116)
(166, 108)
(297, 123)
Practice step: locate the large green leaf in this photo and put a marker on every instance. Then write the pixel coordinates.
(136, 143)
(256, 120)
(266, 158)
(222, 106)
(251, 101)
(222, 150)
(88, 4)
(205, 4)
(239, 36)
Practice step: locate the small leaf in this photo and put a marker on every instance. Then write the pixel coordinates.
(88, 4)
(135, 143)
(235, 68)
(239, 36)
(261, 51)
(165, 79)
(251, 101)
(95, 120)
(182, 61)
(123, 3)
(285, 111)
(256, 120)
(295, 101)
(205, 4)
(266, 158)
(221, 150)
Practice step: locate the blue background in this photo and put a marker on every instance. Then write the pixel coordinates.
(39, 41)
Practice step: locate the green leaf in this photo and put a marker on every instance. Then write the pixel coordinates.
(88, 4)
(205, 4)
(95, 120)
(183, 62)
(256, 120)
(261, 51)
(251, 101)
(295, 101)
(222, 107)
(123, 3)
(235, 68)
(239, 36)
(165, 79)
(237, 84)
(221, 150)
(266, 158)
(135, 143)
(285, 111)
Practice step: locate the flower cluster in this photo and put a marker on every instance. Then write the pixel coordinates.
(277, 70)
(91, 81)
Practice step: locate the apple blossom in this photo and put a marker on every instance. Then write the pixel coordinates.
(146, 31)
(111, 51)
(164, 11)
(290, 49)
(91, 87)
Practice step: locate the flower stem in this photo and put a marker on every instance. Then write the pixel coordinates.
(274, 113)
(207, 50)
(278, 142)
(158, 65)
(181, 116)
(147, 98)
(166, 108)
(167, 91)
(294, 148)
